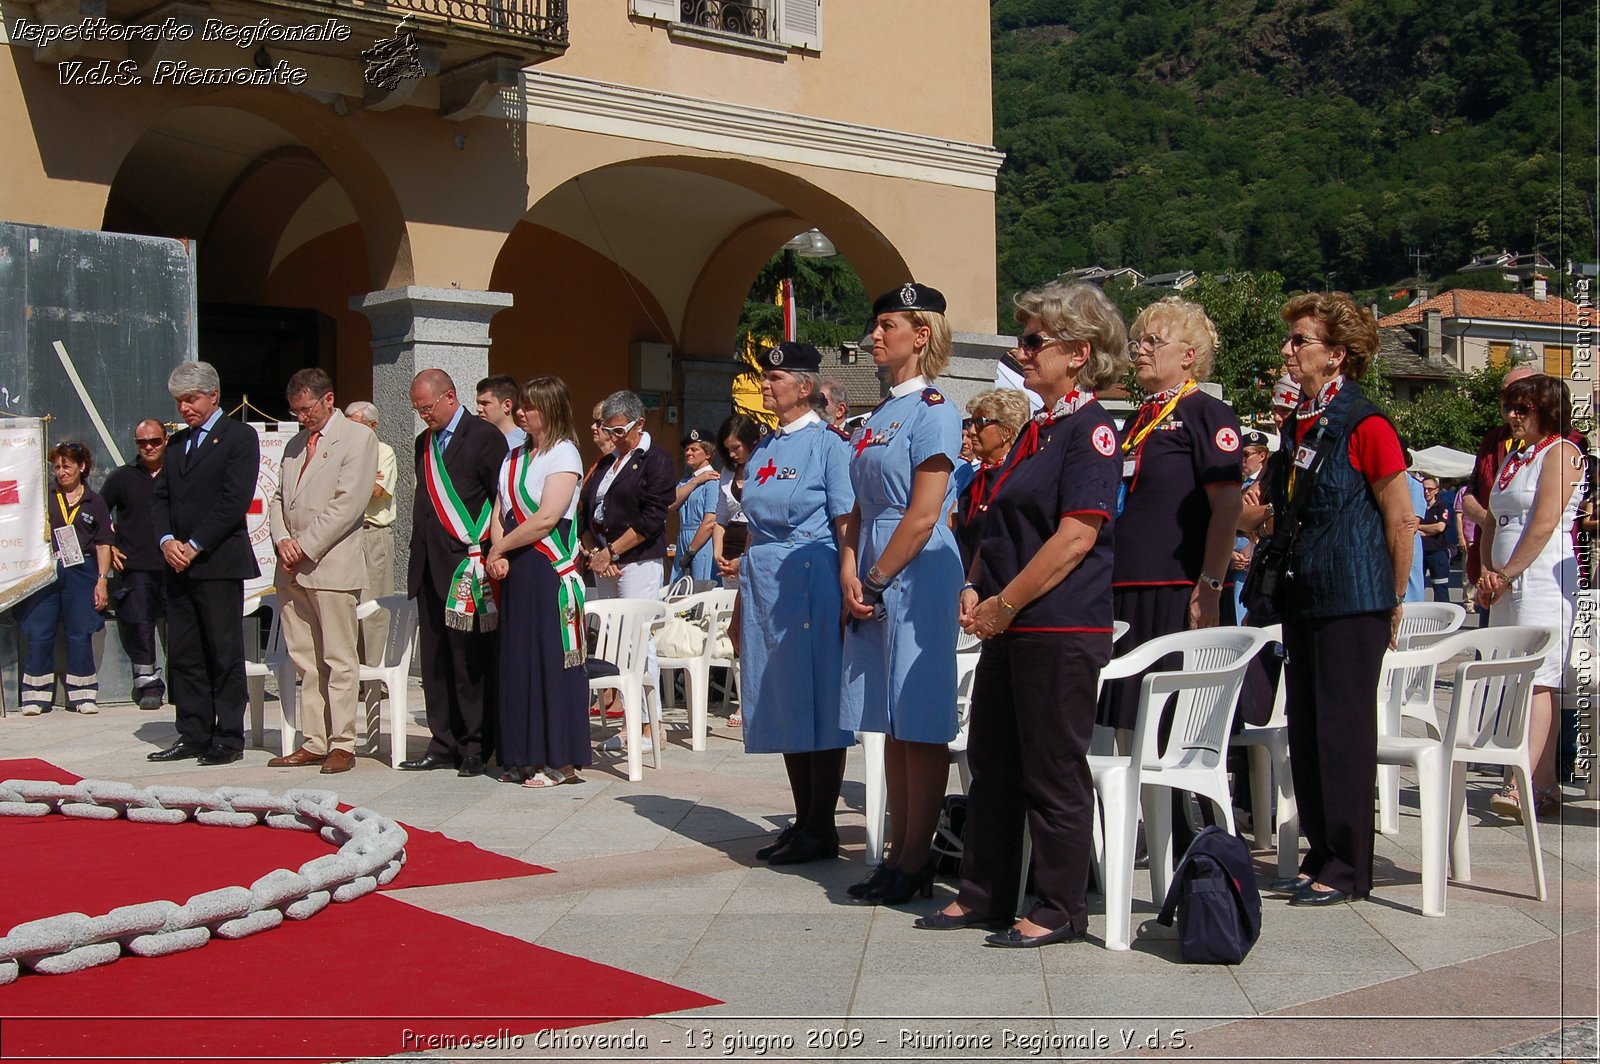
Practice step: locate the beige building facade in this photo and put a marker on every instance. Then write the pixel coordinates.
(584, 189)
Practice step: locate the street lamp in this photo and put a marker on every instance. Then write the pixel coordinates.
(810, 244)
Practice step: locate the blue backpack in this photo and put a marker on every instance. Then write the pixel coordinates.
(1215, 897)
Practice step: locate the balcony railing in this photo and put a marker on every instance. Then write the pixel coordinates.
(541, 20)
(747, 20)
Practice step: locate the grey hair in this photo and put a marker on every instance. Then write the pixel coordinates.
(1006, 405)
(362, 411)
(835, 390)
(191, 378)
(622, 404)
(1081, 312)
(806, 379)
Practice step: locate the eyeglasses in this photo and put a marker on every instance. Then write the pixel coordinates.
(1150, 342)
(157, 442)
(1298, 340)
(1519, 409)
(978, 424)
(424, 411)
(1036, 341)
(616, 432)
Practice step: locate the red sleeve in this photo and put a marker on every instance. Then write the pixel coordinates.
(1375, 450)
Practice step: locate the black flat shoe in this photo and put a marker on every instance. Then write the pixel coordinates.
(1291, 885)
(942, 921)
(875, 879)
(803, 848)
(1011, 938)
(219, 756)
(1316, 898)
(902, 887)
(427, 762)
(177, 752)
(785, 837)
(471, 766)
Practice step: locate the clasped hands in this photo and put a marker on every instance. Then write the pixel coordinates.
(1491, 586)
(178, 555)
(984, 618)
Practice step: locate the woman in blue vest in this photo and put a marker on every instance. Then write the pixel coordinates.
(901, 575)
(796, 497)
(1341, 607)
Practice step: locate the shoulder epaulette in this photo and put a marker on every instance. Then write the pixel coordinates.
(839, 432)
(932, 396)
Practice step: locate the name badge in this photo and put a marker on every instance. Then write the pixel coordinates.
(67, 546)
(1303, 456)
(1128, 468)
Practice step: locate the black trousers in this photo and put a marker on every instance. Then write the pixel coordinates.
(141, 599)
(205, 659)
(457, 680)
(1332, 673)
(1032, 719)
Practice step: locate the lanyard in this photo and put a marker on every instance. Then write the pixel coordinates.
(1136, 437)
(69, 515)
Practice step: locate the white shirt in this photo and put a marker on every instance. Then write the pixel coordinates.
(562, 458)
(611, 475)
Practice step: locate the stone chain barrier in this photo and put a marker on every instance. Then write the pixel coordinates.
(371, 853)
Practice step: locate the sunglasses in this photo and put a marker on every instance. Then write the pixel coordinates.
(1519, 409)
(157, 442)
(1036, 341)
(1298, 340)
(616, 432)
(978, 424)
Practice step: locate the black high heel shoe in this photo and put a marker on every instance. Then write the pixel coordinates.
(786, 836)
(902, 886)
(874, 880)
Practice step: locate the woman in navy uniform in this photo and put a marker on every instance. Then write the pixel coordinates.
(901, 574)
(1039, 595)
(796, 499)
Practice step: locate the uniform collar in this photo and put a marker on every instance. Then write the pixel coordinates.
(805, 420)
(915, 384)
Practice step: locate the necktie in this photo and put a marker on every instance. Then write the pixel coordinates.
(194, 441)
(311, 452)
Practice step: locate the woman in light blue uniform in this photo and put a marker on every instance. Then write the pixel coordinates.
(696, 504)
(797, 496)
(902, 577)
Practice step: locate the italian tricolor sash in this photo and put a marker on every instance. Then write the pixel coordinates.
(468, 601)
(559, 551)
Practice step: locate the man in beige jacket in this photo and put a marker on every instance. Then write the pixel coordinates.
(323, 489)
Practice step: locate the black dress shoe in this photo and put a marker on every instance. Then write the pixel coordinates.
(803, 848)
(1309, 896)
(427, 762)
(943, 921)
(902, 886)
(220, 756)
(177, 752)
(873, 882)
(471, 766)
(785, 837)
(1011, 938)
(1289, 885)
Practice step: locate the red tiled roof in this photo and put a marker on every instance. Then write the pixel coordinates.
(1504, 306)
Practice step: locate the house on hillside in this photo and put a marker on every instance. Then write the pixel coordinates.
(1515, 269)
(1412, 362)
(1177, 281)
(1099, 275)
(1471, 330)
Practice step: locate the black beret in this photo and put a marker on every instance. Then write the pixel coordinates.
(698, 436)
(909, 296)
(1253, 438)
(792, 356)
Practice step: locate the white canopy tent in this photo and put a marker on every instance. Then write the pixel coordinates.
(1446, 462)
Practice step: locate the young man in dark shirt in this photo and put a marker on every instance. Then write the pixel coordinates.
(140, 596)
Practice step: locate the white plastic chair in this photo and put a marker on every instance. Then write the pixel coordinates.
(1424, 622)
(1267, 746)
(275, 662)
(624, 641)
(715, 608)
(1207, 688)
(1488, 711)
(392, 675)
(679, 588)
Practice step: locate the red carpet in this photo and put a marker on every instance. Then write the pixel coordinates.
(350, 982)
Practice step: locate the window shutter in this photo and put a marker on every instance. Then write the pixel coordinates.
(658, 10)
(800, 23)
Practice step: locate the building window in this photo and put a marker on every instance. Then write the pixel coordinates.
(1558, 361)
(745, 19)
(791, 23)
(1500, 356)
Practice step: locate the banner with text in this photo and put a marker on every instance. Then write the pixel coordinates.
(273, 441)
(27, 559)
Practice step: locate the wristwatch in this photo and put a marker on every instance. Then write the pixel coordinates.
(1210, 581)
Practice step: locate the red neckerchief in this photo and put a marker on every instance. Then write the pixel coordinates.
(1522, 458)
(1313, 408)
(1070, 403)
(1026, 447)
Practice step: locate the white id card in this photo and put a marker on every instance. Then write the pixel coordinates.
(1303, 456)
(1128, 468)
(67, 548)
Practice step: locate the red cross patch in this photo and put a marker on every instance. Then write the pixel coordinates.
(1227, 439)
(863, 442)
(1104, 440)
(765, 473)
(10, 493)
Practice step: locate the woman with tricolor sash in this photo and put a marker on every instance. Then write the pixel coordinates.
(544, 690)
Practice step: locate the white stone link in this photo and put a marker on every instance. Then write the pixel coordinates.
(372, 852)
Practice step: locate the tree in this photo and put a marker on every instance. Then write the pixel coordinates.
(832, 305)
(1244, 308)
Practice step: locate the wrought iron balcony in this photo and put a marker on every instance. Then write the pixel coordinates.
(747, 20)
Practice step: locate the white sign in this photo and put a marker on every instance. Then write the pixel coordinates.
(273, 441)
(27, 561)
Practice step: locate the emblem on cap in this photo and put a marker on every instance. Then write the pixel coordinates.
(908, 293)
(775, 356)
(694, 435)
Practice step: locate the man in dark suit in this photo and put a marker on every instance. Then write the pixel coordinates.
(458, 464)
(201, 498)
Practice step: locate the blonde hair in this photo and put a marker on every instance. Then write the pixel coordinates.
(549, 396)
(1006, 405)
(934, 358)
(1081, 312)
(1347, 325)
(1189, 323)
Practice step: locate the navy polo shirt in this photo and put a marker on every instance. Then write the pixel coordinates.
(1074, 472)
(1198, 444)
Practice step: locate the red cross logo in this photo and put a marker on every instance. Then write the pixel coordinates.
(1104, 440)
(1227, 439)
(861, 444)
(765, 473)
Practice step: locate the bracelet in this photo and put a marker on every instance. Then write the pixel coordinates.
(875, 575)
(1008, 607)
(1210, 581)
(969, 587)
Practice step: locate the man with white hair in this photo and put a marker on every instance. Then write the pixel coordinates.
(202, 497)
(377, 537)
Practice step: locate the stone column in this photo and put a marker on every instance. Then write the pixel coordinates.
(414, 329)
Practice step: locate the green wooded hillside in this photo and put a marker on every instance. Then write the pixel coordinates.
(1322, 139)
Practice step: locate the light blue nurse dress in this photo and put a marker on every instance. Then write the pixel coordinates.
(796, 484)
(701, 501)
(900, 672)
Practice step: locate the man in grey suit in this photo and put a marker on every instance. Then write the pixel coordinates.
(324, 485)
